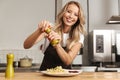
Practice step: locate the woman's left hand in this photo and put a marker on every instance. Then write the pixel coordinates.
(54, 36)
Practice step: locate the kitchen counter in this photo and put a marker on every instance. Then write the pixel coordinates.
(104, 69)
(81, 76)
(33, 68)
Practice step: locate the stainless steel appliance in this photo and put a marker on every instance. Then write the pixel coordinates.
(104, 48)
(117, 38)
(101, 44)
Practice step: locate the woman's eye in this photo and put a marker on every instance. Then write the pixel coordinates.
(69, 11)
(76, 14)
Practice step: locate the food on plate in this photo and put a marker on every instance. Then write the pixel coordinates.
(57, 69)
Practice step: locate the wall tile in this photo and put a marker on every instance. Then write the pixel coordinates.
(36, 55)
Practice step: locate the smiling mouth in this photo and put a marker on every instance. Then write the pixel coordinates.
(69, 20)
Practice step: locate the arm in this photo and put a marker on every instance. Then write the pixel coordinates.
(68, 57)
(37, 35)
(33, 38)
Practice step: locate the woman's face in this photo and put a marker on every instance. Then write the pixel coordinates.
(70, 17)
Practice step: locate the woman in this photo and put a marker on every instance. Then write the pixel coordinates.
(69, 30)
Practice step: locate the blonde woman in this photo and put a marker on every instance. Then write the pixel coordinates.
(69, 30)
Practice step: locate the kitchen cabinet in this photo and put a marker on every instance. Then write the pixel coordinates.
(82, 76)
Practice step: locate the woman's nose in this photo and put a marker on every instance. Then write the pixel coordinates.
(71, 15)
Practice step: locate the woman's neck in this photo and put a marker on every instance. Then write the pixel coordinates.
(66, 29)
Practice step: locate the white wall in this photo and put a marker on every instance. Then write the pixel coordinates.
(19, 18)
(100, 12)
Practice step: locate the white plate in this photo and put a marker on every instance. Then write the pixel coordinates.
(68, 73)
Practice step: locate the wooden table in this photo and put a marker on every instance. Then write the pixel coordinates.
(82, 76)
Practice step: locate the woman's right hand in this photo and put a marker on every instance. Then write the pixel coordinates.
(43, 25)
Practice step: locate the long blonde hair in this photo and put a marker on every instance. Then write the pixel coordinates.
(76, 29)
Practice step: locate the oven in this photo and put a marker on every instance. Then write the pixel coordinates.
(103, 46)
